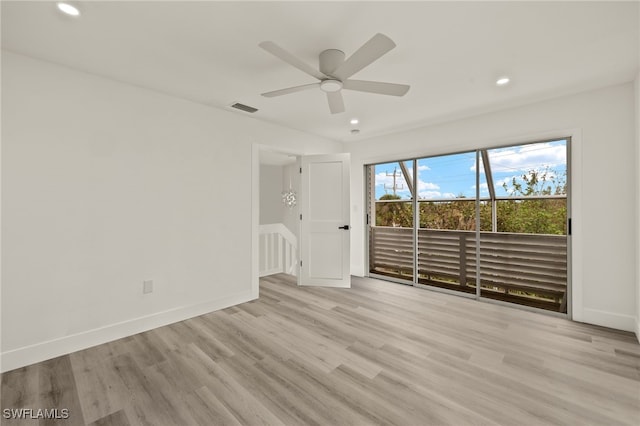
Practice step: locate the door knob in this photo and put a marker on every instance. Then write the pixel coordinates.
(346, 227)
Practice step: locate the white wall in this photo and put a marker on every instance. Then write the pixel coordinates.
(291, 215)
(105, 185)
(271, 207)
(604, 175)
(274, 180)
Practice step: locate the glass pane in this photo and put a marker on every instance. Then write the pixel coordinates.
(391, 231)
(537, 216)
(447, 218)
(536, 169)
(447, 177)
(524, 259)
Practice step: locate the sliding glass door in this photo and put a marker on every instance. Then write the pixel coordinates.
(447, 222)
(391, 231)
(523, 259)
(497, 218)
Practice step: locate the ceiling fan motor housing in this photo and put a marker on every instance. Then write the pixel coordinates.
(330, 60)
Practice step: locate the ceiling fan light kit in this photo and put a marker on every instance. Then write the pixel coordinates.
(334, 71)
(330, 85)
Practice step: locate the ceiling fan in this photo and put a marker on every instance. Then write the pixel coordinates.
(335, 71)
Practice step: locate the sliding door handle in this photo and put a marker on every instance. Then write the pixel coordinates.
(346, 227)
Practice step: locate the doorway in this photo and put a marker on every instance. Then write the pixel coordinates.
(279, 224)
(323, 205)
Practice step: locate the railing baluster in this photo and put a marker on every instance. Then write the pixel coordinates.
(462, 247)
(278, 250)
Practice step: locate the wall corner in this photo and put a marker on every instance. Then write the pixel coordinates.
(637, 194)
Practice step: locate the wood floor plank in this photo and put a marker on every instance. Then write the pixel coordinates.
(148, 405)
(275, 395)
(237, 399)
(309, 382)
(119, 418)
(57, 389)
(376, 354)
(100, 390)
(20, 389)
(213, 411)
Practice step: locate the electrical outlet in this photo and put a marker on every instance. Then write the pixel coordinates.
(147, 287)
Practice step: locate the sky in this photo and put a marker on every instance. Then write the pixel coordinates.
(454, 175)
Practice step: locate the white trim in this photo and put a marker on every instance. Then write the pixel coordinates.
(53, 348)
(255, 220)
(574, 242)
(268, 272)
(255, 209)
(637, 116)
(609, 319)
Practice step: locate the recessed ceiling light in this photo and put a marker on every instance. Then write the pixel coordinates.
(68, 9)
(503, 81)
(354, 121)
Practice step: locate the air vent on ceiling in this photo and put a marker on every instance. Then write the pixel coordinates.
(245, 108)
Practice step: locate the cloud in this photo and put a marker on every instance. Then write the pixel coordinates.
(430, 194)
(422, 185)
(499, 184)
(524, 158)
(385, 182)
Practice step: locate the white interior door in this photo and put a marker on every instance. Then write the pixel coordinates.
(325, 231)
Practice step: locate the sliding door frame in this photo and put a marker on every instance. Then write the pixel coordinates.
(370, 216)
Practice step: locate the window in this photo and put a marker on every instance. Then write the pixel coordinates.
(424, 227)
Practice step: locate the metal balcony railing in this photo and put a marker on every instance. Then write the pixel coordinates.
(528, 269)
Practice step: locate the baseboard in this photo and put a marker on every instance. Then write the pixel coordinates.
(610, 319)
(638, 328)
(27, 355)
(270, 272)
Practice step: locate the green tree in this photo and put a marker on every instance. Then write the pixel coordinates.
(534, 216)
(394, 213)
(454, 215)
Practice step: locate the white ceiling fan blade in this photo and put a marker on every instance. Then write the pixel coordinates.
(367, 54)
(289, 58)
(376, 87)
(336, 103)
(290, 90)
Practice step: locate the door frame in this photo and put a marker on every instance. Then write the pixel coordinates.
(256, 148)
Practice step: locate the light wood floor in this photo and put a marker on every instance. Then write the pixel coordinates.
(379, 353)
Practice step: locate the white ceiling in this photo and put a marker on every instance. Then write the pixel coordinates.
(449, 52)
